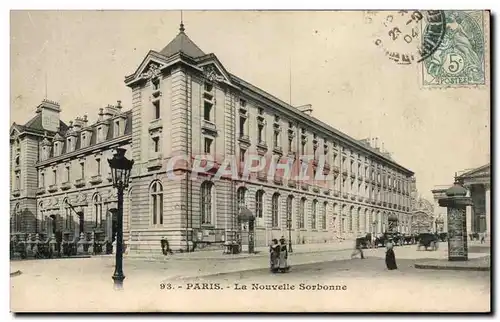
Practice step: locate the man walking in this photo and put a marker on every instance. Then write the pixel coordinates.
(358, 248)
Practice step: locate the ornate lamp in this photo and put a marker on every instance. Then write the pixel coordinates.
(120, 172)
(120, 169)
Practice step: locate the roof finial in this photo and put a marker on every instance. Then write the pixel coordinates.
(181, 29)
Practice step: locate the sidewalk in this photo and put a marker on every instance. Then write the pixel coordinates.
(474, 264)
(259, 252)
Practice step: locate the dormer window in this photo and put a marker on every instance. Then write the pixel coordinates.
(84, 140)
(56, 149)
(117, 128)
(70, 146)
(243, 103)
(261, 111)
(99, 134)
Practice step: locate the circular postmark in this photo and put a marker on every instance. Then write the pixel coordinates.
(409, 36)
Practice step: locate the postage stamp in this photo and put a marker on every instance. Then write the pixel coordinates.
(460, 58)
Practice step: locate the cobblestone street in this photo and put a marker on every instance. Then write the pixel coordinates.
(86, 284)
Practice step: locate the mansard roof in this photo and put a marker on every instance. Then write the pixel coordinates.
(35, 126)
(182, 43)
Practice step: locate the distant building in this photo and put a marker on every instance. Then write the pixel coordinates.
(478, 184)
(184, 102)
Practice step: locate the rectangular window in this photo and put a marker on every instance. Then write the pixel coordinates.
(98, 166)
(207, 110)
(242, 125)
(156, 105)
(208, 145)
(67, 174)
(55, 175)
(261, 111)
(156, 144)
(303, 148)
(276, 139)
(290, 140)
(242, 155)
(117, 128)
(259, 133)
(208, 87)
(243, 103)
(82, 169)
(42, 180)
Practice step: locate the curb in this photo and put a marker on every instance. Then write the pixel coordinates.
(453, 268)
(229, 257)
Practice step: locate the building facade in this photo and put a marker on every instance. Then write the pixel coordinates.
(478, 184)
(186, 104)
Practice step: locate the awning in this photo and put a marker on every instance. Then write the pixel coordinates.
(245, 214)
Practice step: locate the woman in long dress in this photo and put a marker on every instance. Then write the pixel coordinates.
(274, 251)
(283, 256)
(390, 257)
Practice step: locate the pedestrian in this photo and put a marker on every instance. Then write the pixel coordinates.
(390, 257)
(274, 250)
(483, 237)
(358, 248)
(283, 256)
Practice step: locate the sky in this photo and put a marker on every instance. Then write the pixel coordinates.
(80, 59)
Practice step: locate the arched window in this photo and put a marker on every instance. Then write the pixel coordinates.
(40, 220)
(351, 218)
(335, 216)
(97, 202)
(302, 210)
(323, 217)
(275, 210)
(289, 209)
(342, 219)
(358, 218)
(68, 216)
(313, 214)
(16, 219)
(259, 203)
(207, 199)
(240, 197)
(156, 202)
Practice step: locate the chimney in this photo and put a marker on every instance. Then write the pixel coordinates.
(79, 123)
(100, 117)
(307, 109)
(50, 113)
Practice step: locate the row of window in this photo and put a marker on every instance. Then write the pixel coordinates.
(390, 178)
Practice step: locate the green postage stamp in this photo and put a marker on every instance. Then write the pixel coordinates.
(460, 58)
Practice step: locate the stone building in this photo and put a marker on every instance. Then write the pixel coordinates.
(478, 184)
(185, 103)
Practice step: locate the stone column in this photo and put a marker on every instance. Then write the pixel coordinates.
(362, 221)
(487, 191)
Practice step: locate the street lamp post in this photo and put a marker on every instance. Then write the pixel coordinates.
(120, 172)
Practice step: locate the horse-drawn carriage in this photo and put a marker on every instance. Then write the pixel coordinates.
(428, 240)
(365, 241)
